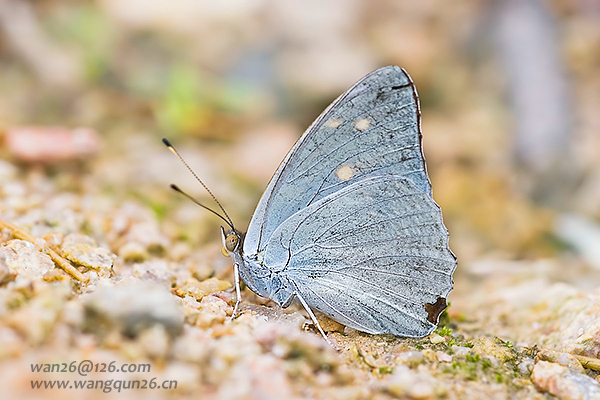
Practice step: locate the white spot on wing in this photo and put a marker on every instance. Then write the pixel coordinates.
(333, 123)
(362, 124)
(344, 172)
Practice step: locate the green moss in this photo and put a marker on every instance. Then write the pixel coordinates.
(472, 367)
(485, 363)
(385, 370)
(160, 210)
(481, 366)
(444, 331)
(463, 368)
(15, 300)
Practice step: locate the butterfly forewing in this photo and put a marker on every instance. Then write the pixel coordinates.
(371, 130)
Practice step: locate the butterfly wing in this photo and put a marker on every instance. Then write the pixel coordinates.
(373, 129)
(373, 256)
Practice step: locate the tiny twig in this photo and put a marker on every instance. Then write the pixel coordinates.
(551, 355)
(588, 362)
(22, 234)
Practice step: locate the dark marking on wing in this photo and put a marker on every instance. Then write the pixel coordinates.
(435, 309)
(401, 86)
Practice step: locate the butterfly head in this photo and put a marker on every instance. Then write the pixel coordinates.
(232, 241)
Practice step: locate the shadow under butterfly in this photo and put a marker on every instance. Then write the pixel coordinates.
(348, 225)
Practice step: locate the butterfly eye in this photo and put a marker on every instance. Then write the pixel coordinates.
(231, 241)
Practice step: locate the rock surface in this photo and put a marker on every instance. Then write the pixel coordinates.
(563, 383)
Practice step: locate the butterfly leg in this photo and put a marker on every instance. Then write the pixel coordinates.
(313, 318)
(238, 299)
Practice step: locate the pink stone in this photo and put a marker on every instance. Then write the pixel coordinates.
(51, 144)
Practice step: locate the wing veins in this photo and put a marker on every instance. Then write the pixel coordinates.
(384, 221)
(396, 256)
(371, 171)
(369, 270)
(338, 271)
(336, 284)
(406, 257)
(336, 198)
(377, 241)
(373, 224)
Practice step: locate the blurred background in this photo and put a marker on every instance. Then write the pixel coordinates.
(510, 96)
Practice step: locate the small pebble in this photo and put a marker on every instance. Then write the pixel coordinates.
(191, 345)
(564, 359)
(443, 357)
(36, 318)
(405, 382)
(488, 347)
(435, 339)
(196, 289)
(154, 270)
(55, 275)
(24, 259)
(411, 358)
(461, 351)
(526, 366)
(91, 257)
(73, 239)
(208, 312)
(54, 239)
(133, 252)
(148, 234)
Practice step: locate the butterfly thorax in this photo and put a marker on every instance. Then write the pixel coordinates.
(266, 281)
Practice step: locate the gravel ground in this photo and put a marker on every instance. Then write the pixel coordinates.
(136, 293)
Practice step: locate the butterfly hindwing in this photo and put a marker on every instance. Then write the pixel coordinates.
(373, 255)
(371, 130)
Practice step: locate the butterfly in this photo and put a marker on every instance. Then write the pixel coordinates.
(348, 225)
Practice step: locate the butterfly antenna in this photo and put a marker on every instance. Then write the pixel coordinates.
(176, 188)
(227, 219)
